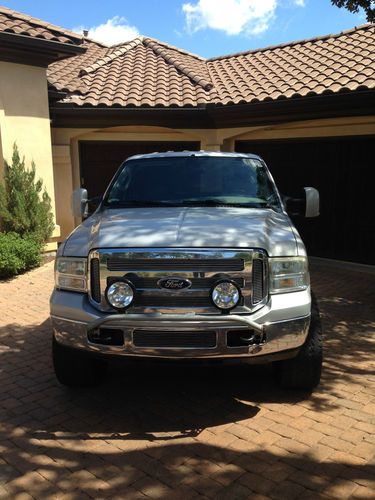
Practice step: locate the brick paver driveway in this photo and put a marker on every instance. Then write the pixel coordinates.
(178, 433)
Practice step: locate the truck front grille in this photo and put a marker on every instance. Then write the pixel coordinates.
(202, 267)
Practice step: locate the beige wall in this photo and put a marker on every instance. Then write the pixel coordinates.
(24, 119)
(63, 177)
(1, 147)
(66, 145)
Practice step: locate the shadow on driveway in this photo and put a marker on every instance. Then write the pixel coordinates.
(178, 432)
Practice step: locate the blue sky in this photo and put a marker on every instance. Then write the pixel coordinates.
(205, 27)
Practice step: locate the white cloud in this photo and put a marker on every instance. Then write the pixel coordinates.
(231, 16)
(249, 17)
(115, 30)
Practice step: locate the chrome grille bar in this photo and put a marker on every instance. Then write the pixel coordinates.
(118, 264)
(152, 283)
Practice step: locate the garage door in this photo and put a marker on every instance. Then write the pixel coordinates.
(99, 160)
(342, 169)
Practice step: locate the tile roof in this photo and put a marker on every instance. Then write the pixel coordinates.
(65, 75)
(15, 22)
(330, 64)
(146, 72)
(142, 72)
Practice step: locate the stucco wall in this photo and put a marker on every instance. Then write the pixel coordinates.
(63, 177)
(24, 119)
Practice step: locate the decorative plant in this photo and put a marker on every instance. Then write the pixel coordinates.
(26, 220)
(17, 254)
(25, 208)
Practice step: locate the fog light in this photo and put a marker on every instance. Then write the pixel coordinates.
(120, 294)
(225, 295)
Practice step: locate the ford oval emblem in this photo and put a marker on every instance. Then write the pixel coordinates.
(174, 283)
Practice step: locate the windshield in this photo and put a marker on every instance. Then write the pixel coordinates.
(195, 181)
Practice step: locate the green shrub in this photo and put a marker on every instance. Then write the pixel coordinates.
(17, 254)
(25, 208)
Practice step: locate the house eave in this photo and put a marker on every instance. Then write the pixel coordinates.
(354, 103)
(24, 49)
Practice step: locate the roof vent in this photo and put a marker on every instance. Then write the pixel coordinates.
(85, 33)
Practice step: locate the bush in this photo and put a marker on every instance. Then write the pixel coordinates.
(17, 254)
(24, 208)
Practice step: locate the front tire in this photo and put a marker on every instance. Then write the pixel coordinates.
(74, 369)
(304, 371)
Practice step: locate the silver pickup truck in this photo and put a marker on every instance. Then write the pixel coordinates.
(187, 255)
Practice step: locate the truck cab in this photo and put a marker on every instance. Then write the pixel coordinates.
(188, 255)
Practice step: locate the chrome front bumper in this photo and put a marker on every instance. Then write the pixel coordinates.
(282, 323)
(276, 337)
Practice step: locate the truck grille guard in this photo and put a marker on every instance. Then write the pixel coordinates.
(143, 320)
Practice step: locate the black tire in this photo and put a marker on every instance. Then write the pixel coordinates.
(74, 369)
(303, 371)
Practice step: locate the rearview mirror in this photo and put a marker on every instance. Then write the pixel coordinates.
(79, 202)
(306, 206)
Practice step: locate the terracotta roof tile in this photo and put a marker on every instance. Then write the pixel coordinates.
(65, 75)
(329, 64)
(143, 72)
(146, 72)
(22, 24)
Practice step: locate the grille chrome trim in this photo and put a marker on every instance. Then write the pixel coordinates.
(196, 259)
(175, 264)
(152, 283)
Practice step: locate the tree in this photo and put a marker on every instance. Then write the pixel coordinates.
(354, 5)
(25, 208)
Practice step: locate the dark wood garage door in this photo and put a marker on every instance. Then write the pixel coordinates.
(342, 169)
(99, 160)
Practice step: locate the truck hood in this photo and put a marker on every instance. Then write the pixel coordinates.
(224, 227)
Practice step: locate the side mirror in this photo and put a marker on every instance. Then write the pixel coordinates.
(306, 206)
(79, 202)
(312, 202)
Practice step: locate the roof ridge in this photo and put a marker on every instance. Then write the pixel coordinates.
(158, 49)
(118, 51)
(173, 47)
(39, 22)
(294, 42)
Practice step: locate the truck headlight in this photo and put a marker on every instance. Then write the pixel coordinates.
(71, 273)
(288, 274)
(225, 295)
(120, 294)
